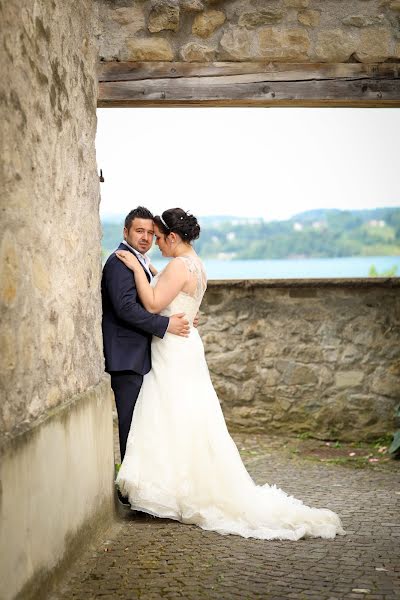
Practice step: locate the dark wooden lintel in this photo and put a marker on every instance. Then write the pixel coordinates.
(248, 84)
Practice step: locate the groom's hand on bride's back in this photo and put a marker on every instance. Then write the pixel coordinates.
(179, 325)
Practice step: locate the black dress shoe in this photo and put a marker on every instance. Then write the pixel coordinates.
(123, 499)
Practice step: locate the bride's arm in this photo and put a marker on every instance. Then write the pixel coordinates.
(171, 282)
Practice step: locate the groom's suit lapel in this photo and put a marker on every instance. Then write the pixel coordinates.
(124, 247)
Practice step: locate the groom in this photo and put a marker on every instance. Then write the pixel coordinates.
(127, 326)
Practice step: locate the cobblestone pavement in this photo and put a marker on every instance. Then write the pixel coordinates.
(150, 558)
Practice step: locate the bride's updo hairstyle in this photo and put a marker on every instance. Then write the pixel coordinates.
(178, 221)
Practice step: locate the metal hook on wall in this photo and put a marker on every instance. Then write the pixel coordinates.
(101, 176)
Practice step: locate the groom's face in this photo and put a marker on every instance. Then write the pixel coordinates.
(140, 234)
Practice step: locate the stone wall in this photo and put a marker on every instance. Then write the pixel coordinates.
(332, 31)
(316, 356)
(56, 455)
(50, 262)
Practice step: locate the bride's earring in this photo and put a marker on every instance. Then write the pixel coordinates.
(172, 243)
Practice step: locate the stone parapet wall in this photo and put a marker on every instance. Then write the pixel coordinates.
(303, 31)
(50, 256)
(316, 356)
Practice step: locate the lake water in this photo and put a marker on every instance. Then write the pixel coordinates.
(295, 268)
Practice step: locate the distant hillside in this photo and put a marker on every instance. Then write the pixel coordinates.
(323, 213)
(310, 234)
(315, 214)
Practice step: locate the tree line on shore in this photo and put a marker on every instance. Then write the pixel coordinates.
(321, 233)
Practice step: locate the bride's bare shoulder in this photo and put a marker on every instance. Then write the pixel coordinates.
(175, 267)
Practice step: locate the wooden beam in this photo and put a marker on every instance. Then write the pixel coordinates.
(248, 84)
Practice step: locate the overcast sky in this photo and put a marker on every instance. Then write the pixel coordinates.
(249, 162)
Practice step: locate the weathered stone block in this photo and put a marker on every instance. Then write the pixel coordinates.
(325, 377)
(346, 414)
(334, 46)
(350, 354)
(164, 15)
(271, 348)
(228, 391)
(193, 52)
(348, 378)
(237, 43)
(309, 18)
(269, 377)
(192, 5)
(295, 374)
(361, 20)
(363, 337)
(386, 383)
(254, 329)
(290, 44)
(330, 354)
(148, 49)
(374, 46)
(206, 23)
(261, 17)
(115, 25)
(128, 15)
(249, 391)
(296, 3)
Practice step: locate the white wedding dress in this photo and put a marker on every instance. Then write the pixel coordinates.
(181, 462)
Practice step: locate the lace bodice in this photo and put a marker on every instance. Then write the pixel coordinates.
(188, 302)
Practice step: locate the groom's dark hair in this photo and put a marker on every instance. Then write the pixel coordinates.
(137, 213)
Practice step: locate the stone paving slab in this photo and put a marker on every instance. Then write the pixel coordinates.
(149, 559)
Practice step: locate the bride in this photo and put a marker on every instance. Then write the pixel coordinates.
(180, 461)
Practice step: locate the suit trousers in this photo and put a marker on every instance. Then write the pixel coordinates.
(126, 387)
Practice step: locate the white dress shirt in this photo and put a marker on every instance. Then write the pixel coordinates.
(143, 258)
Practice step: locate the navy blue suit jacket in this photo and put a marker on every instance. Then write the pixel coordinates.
(127, 326)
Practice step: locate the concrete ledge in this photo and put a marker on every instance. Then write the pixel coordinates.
(56, 492)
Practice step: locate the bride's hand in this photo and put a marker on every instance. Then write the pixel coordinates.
(128, 259)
